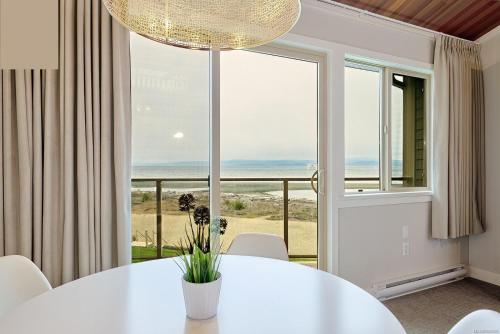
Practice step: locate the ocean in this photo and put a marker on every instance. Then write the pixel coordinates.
(251, 168)
(248, 168)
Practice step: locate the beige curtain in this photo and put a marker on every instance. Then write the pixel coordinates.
(65, 151)
(458, 207)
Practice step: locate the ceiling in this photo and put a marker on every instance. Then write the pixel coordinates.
(469, 19)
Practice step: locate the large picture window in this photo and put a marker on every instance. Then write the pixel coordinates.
(385, 129)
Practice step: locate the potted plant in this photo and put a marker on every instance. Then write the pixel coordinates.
(201, 283)
(201, 279)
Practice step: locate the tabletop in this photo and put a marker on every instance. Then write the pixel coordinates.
(258, 295)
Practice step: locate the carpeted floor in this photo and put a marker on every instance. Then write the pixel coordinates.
(436, 310)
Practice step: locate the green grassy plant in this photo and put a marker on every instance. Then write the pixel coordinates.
(237, 205)
(146, 197)
(199, 267)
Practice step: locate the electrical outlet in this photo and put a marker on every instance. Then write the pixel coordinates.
(406, 248)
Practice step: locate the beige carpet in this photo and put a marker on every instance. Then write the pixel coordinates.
(436, 310)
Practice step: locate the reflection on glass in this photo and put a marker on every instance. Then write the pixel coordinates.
(408, 133)
(362, 129)
(170, 136)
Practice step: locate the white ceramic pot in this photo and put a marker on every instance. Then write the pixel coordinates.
(201, 300)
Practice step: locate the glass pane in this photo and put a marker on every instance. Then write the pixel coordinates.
(269, 148)
(143, 221)
(362, 129)
(170, 140)
(302, 225)
(174, 220)
(408, 132)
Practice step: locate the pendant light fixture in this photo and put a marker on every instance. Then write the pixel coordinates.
(207, 24)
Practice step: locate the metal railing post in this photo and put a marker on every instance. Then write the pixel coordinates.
(158, 219)
(285, 211)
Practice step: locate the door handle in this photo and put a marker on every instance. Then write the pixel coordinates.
(315, 174)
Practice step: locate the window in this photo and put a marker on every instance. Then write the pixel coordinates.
(385, 129)
(408, 131)
(362, 129)
(170, 136)
(241, 132)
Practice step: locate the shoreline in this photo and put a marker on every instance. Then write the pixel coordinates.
(241, 205)
(296, 194)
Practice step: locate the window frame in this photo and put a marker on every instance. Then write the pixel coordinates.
(385, 132)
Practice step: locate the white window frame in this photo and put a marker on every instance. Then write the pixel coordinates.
(385, 141)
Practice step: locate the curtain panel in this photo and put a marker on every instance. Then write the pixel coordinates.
(458, 206)
(65, 150)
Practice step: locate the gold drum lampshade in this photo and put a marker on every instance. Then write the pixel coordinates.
(207, 24)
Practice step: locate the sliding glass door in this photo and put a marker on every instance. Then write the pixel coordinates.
(247, 123)
(269, 147)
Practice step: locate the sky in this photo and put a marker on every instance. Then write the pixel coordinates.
(362, 114)
(268, 106)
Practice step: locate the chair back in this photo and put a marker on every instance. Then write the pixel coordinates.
(482, 321)
(20, 280)
(259, 244)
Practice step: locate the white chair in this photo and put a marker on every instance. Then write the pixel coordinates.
(482, 321)
(259, 244)
(20, 280)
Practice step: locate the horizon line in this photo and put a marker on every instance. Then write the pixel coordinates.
(161, 163)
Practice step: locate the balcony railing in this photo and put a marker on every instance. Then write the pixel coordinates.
(161, 183)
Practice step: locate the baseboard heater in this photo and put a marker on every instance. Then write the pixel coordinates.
(396, 288)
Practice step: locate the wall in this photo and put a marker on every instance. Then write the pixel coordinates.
(371, 243)
(364, 232)
(334, 24)
(485, 248)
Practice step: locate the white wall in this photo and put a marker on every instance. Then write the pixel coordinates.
(485, 248)
(365, 233)
(333, 24)
(371, 243)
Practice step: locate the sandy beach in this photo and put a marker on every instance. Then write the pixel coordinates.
(302, 235)
(244, 212)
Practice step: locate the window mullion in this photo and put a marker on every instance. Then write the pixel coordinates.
(385, 154)
(214, 178)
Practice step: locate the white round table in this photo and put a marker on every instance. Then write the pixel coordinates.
(258, 296)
